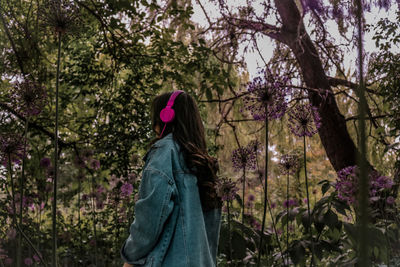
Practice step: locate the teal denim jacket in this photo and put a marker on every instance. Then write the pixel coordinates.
(170, 229)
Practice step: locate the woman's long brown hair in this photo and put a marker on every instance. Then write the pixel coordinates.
(188, 131)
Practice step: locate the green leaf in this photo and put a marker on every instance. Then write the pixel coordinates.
(325, 188)
(239, 199)
(331, 219)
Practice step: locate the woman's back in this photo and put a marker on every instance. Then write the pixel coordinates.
(170, 228)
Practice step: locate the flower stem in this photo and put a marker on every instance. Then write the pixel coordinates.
(54, 215)
(94, 221)
(287, 216)
(79, 213)
(13, 201)
(229, 233)
(308, 202)
(276, 233)
(21, 233)
(22, 180)
(243, 200)
(265, 190)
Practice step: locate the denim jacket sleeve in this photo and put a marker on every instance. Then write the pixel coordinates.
(152, 209)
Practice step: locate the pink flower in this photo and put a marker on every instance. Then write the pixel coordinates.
(99, 205)
(28, 261)
(36, 258)
(8, 261)
(95, 164)
(390, 200)
(251, 197)
(45, 163)
(126, 189)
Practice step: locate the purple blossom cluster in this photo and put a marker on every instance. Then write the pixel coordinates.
(314, 5)
(126, 189)
(245, 157)
(28, 97)
(255, 224)
(11, 146)
(347, 184)
(226, 189)
(289, 164)
(85, 160)
(45, 163)
(290, 203)
(267, 90)
(304, 120)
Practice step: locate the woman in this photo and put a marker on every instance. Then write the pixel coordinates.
(178, 213)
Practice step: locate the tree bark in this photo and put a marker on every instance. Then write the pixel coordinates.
(333, 132)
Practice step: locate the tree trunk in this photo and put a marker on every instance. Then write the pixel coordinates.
(333, 132)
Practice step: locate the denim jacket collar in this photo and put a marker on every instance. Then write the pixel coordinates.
(156, 144)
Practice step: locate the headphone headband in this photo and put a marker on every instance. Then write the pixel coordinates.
(167, 114)
(172, 98)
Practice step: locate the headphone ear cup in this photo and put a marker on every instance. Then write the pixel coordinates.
(167, 114)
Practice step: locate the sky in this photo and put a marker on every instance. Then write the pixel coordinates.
(265, 44)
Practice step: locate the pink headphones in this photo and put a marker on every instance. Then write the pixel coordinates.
(167, 114)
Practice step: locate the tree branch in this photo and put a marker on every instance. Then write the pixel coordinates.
(337, 81)
(40, 128)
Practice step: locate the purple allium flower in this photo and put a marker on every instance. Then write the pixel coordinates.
(45, 163)
(304, 120)
(99, 204)
(28, 97)
(305, 200)
(251, 197)
(85, 197)
(266, 89)
(255, 224)
(347, 184)
(95, 164)
(226, 189)
(290, 203)
(8, 261)
(28, 261)
(11, 145)
(273, 205)
(390, 200)
(126, 189)
(289, 164)
(61, 16)
(244, 157)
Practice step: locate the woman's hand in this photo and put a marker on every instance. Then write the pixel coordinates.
(127, 265)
